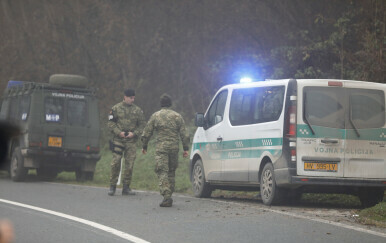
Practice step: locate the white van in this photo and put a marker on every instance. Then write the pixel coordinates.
(286, 137)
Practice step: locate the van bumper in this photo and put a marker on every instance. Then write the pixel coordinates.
(333, 181)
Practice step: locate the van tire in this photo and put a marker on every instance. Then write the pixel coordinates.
(370, 196)
(199, 186)
(16, 168)
(69, 80)
(270, 193)
(46, 174)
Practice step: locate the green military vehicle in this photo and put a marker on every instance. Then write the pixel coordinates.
(59, 124)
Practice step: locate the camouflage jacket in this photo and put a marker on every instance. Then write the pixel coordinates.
(170, 127)
(126, 118)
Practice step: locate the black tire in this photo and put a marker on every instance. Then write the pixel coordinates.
(270, 193)
(16, 168)
(370, 196)
(69, 80)
(200, 187)
(46, 174)
(82, 176)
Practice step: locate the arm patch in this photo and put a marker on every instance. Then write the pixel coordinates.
(112, 117)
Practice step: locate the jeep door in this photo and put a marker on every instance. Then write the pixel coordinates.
(77, 121)
(320, 129)
(214, 132)
(365, 150)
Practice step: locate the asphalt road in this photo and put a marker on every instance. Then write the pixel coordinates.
(51, 212)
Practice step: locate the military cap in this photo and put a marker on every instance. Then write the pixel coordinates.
(166, 100)
(129, 92)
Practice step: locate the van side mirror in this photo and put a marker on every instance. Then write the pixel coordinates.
(199, 121)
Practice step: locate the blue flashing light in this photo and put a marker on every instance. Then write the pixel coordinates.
(245, 80)
(12, 83)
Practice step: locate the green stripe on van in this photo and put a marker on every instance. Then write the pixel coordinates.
(373, 134)
(241, 144)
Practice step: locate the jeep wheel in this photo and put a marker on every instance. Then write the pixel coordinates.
(84, 175)
(370, 196)
(16, 169)
(268, 190)
(200, 187)
(46, 174)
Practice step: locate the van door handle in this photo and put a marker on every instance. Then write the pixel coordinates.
(219, 139)
(329, 140)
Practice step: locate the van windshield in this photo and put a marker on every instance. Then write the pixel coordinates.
(325, 106)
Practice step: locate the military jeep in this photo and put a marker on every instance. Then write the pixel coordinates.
(59, 124)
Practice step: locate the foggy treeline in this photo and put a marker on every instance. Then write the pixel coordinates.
(189, 48)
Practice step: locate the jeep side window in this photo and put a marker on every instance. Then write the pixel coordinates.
(24, 107)
(367, 108)
(13, 110)
(216, 111)
(53, 108)
(76, 112)
(4, 109)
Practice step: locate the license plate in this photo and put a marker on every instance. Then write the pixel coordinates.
(55, 142)
(320, 166)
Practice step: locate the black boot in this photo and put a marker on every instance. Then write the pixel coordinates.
(167, 202)
(112, 190)
(127, 191)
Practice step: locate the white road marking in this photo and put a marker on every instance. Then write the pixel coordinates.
(313, 219)
(107, 229)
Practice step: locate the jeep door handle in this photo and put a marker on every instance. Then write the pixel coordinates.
(219, 139)
(329, 140)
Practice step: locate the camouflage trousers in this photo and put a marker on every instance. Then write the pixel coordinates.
(165, 168)
(129, 152)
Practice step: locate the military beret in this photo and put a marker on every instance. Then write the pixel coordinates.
(166, 100)
(129, 92)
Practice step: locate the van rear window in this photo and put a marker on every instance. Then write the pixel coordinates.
(324, 106)
(334, 107)
(367, 108)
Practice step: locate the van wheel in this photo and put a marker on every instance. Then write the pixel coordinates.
(370, 196)
(268, 190)
(16, 169)
(199, 186)
(84, 175)
(46, 174)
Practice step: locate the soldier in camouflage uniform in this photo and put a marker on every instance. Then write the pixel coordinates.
(126, 122)
(170, 127)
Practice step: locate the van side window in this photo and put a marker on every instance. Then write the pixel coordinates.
(215, 113)
(76, 112)
(24, 107)
(53, 108)
(367, 108)
(257, 105)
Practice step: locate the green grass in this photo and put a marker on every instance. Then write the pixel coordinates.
(144, 177)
